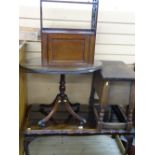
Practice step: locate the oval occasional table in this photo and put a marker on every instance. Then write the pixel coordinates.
(46, 124)
(35, 66)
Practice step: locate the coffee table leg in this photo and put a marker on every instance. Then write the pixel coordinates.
(129, 144)
(27, 141)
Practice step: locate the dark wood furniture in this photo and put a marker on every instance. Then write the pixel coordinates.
(113, 71)
(54, 127)
(44, 125)
(35, 66)
(68, 46)
(62, 123)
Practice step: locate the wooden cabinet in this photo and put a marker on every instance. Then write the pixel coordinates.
(68, 47)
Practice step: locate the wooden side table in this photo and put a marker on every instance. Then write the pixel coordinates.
(113, 71)
(44, 126)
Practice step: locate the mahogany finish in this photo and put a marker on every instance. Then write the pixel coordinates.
(34, 65)
(61, 98)
(104, 123)
(69, 46)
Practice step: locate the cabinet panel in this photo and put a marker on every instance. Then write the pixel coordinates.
(67, 49)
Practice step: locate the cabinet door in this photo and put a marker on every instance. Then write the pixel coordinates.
(68, 48)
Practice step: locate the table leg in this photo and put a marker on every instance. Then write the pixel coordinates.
(104, 102)
(91, 116)
(42, 122)
(129, 144)
(131, 106)
(71, 111)
(27, 141)
(63, 99)
(77, 105)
